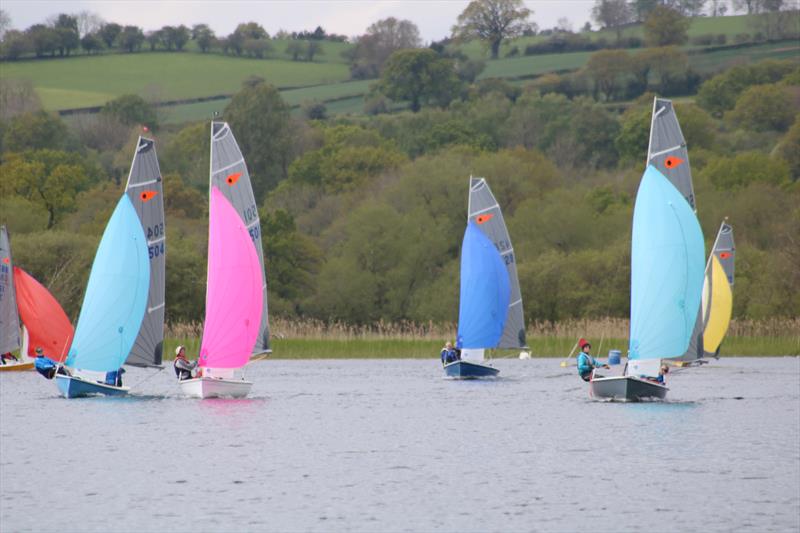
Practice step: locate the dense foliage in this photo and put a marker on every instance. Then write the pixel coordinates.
(362, 216)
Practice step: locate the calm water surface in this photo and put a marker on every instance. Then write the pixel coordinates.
(366, 445)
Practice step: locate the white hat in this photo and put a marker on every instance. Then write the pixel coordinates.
(179, 348)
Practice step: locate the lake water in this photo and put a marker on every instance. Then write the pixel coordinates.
(388, 445)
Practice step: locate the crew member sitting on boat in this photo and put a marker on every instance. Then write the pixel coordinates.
(8, 355)
(115, 377)
(449, 354)
(46, 367)
(183, 367)
(587, 363)
(663, 371)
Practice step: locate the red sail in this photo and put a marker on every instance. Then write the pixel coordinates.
(47, 323)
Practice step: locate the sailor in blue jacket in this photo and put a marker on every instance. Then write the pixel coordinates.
(449, 354)
(587, 363)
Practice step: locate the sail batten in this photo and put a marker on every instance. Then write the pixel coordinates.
(484, 211)
(149, 206)
(229, 174)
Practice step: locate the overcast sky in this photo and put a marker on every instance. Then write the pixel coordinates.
(349, 17)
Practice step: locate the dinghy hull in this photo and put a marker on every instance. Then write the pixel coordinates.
(469, 370)
(77, 387)
(206, 387)
(16, 367)
(626, 389)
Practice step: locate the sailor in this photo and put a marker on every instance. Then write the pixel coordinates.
(449, 354)
(43, 365)
(115, 377)
(662, 374)
(183, 367)
(7, 355)
(587, 363)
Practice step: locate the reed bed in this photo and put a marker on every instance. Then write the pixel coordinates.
(309, 338)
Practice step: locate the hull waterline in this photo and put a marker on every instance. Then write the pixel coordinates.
(77, 387)
(469, 370)
(206, 387)
(626, 388)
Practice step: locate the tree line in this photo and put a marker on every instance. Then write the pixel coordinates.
(362, 216)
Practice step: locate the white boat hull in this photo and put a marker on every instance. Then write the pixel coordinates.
(206, 387)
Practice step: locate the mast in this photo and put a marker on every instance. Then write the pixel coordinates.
(485, 212)
(228, 172)
(9, 319)
(145, 191)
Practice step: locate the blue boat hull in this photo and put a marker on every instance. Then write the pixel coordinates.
(76, 387)
(469, 370)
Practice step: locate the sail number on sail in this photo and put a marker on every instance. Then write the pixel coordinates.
(506, 251)
(156, 233)
(250, 215)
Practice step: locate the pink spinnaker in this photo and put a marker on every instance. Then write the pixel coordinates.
(234, 296)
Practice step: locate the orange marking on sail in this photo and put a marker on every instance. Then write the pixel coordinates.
(484, 218)
(148, 195)
(233, 178)
(6, 260)
(672, 162)
(725, 255)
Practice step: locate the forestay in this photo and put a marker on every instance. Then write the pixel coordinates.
(667, 258)
(485, 212)
(233, 292)
(144, 188)
(229, 174)
(9, 320)
(116, 295)
(46, 322)
(718, 290)
(485, 291)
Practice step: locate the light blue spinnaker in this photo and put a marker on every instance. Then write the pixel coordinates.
(116, 296)
(667, 268)
(485, 291)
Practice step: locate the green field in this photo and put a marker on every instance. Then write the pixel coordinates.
(341, 98)
(722, 59)
(429, 349)
(91, 81)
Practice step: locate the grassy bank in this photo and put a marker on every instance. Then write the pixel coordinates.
(429, 348)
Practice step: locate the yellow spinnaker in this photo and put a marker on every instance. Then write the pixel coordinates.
(721, 308)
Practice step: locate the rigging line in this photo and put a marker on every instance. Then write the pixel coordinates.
(138, 383)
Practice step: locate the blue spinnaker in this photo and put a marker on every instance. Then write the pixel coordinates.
(485, 291)
(667, 268)
(116, 296)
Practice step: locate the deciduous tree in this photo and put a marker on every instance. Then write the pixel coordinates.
(493, 21)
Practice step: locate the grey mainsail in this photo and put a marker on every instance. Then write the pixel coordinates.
(145, 190)
(9, 318)
(725, 250)
(229, 174)
(485, 211)
(667, 149)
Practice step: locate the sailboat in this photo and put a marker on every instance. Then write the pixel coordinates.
(235, 325)
(490, 306)
(717, 302)
(667, 259)
(9, 320)
(122, 316)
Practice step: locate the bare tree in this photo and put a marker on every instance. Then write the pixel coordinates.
(88, 22)
(17, 97)
(5, 23)
(493, 21)
(612, 14)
